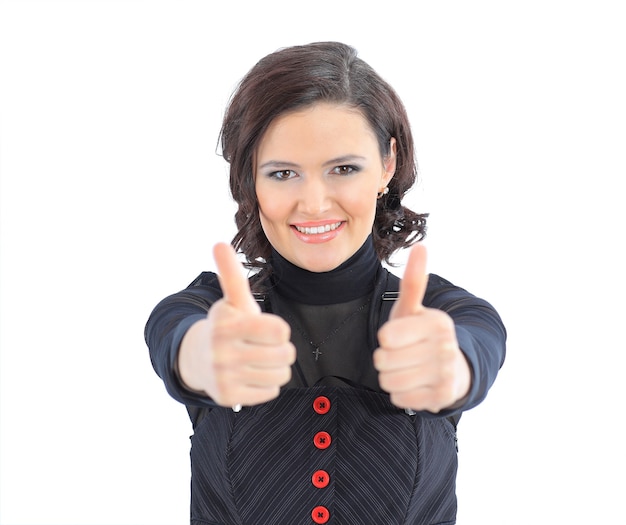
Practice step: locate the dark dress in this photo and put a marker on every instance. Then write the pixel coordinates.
(331, 448)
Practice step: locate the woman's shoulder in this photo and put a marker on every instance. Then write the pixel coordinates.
(208, 279)
(436, 283)
(200, 294)
(440, 292)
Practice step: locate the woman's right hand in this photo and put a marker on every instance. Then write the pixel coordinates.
(237, 355)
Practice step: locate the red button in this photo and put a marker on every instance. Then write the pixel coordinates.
(322, 440)
(320, 514)
(321, 479)
(321, 405)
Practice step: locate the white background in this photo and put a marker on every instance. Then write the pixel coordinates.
(112, 196)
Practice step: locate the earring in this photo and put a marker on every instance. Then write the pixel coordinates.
(382, 192)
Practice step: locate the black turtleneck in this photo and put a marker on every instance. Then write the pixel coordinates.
(328, 313)
(352, 279)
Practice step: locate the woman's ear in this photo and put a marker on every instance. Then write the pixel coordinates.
(389, 163)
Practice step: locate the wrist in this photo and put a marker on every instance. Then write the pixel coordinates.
(185, 368)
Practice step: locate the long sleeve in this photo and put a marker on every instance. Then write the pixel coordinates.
(166, 327)
(480, 333)
(479, 329)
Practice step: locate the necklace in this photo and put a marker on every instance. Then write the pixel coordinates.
(316, 346)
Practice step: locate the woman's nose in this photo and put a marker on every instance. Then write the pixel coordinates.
(315, 198)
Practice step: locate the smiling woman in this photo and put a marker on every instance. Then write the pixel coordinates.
(325, 395)
(292, 84)
(322, 211)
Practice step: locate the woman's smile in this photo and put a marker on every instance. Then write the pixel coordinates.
(317, 174)
(318, 232)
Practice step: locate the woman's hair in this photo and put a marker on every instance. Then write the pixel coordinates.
(291, 79)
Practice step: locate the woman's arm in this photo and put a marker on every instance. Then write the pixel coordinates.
(166, 327)
(219, 350)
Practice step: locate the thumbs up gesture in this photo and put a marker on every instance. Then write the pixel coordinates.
(419, 360)
(237, 355)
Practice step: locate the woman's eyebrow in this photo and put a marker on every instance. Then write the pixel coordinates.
(331, 162)
(344, 159)
(279, 164)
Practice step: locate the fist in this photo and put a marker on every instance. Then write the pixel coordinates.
(237, 355)
(419, 360)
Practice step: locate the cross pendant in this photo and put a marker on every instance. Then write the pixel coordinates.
(316, 353)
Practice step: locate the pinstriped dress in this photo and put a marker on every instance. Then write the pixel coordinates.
(331, 448)
(362, 461)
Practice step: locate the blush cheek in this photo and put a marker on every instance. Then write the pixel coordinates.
(363, 213)
(268, 228)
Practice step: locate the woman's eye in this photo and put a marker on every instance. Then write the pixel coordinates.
(282, 174)
(345, 170)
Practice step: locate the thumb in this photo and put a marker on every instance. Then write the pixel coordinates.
(235, 286)
(413, 285)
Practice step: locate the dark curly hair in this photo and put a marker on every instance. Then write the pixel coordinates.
(299, 76)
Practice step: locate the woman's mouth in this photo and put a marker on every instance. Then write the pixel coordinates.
(318, 233)
(315, 230)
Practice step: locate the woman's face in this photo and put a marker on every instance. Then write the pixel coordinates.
(317, 174)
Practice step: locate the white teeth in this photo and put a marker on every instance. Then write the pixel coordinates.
(318, 229)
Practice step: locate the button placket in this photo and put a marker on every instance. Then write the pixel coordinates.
(322, 441)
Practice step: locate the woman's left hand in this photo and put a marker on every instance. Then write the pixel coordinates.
(419, 360)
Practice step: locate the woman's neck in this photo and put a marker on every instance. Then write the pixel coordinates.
(352, 279)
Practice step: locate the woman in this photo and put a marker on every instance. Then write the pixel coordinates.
(323, 389)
